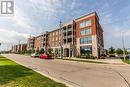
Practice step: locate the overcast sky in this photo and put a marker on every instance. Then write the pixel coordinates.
(34, 16)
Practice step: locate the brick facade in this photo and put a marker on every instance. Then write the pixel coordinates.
(78, 37)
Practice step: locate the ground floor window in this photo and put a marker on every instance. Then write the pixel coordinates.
(86, 50)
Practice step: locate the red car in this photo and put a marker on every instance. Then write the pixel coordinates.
(44, 56)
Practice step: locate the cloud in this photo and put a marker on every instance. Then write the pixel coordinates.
(8, 36)
(73, 4)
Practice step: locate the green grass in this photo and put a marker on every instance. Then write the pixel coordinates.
(126, 61)
(15, 75)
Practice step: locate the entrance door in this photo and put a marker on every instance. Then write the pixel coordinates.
(66, 52)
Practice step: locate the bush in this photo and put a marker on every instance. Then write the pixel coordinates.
(78, 56)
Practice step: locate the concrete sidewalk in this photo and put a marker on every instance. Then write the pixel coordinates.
(103, 61)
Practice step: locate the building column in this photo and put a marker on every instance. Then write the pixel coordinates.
(69, 52)
(63, 52)
(72, 52)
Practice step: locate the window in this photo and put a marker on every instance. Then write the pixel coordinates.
(56, 38)
(88, 31)
(56, 32)
(81, 40)
(56, 43)
(86, 50)
(82, 25)
(59, 32)
(82, 32)
(85, 32)
(52, 44)
(86, 40)
(53, 34)
(52, 39)
(86, 23)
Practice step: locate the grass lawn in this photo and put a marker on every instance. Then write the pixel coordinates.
(126, 61)
(15, 75)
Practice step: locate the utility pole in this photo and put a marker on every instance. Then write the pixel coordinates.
(61, 40)
(19, 47)
(123, 43)
(0, 45)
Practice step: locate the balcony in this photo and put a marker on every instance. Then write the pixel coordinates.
(69, 26)
(64, 28)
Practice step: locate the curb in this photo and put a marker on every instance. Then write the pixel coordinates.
(50, 77)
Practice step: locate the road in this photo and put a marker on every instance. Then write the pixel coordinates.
(78, 74)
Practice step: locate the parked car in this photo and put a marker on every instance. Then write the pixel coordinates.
(45, 56)
(127, 56)
(35, 55)
(112, 55)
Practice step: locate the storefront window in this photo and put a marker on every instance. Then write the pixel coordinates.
(86, 50)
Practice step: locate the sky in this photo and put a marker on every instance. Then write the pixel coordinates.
(31, 17)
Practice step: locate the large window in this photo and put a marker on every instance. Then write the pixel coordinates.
(86, 50)
(86, 23)
(85, 32)
(86, 40)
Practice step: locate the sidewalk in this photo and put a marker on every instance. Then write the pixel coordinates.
(100, 61)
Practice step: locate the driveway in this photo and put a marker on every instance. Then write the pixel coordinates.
(78, 74)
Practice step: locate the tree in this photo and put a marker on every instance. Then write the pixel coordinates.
(37, 50)
(126, 52)
(56, 52)
(29, 51)
(119, 51)
(41, 50)
(111, 50)
(50, 51)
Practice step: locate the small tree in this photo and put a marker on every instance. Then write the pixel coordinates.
(56, 52)
(37, 50)
(41, 50)
(119, 51)
(29, 52)
(111, 50)
(50, 51)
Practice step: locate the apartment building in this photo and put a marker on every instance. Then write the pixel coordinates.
(89, 35)
(44, 39)
(19, 48)
(82, 36)
(37, 43)
(30, 43)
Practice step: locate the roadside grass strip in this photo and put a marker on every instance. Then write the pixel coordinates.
(15, 75)
(126, 61)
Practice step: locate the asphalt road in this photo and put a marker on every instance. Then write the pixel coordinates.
(78, 74)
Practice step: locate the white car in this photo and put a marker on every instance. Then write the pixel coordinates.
(35, 55)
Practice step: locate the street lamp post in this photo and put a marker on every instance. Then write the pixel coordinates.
(60, 42)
